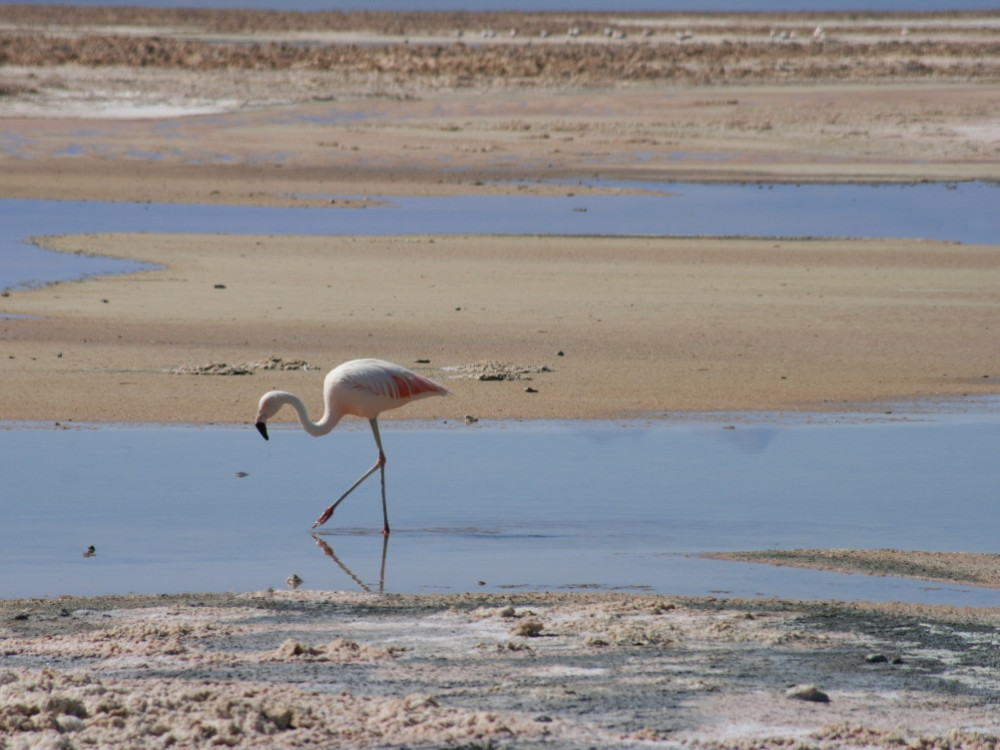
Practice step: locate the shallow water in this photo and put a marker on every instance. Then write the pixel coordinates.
(540, 506)
(962, 212)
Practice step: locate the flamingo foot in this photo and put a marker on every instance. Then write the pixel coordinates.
(324, 518)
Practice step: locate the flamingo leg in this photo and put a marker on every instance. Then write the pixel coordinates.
(329, 511)
(380, 465)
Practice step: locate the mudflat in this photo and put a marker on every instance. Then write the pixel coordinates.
(232, 107)
(299, 106)
(595, 327)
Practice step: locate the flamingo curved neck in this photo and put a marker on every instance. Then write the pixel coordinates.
(325, 424)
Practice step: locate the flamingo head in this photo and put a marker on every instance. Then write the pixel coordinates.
(269, 405)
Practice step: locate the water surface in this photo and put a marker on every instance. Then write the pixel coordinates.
(962, 212)
(555, 506)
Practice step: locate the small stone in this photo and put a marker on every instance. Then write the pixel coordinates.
(807, 693)
(876, 659)
(529, 389)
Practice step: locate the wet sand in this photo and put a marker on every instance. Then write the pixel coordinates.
(970, 568)
(601, 327)
(93, 107)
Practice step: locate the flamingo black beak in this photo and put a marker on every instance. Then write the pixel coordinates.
(262, 429)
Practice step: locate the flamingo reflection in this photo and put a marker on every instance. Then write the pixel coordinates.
(328, 551)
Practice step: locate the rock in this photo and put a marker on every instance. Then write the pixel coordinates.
(807, 693)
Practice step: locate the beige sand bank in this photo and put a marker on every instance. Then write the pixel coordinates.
(94, 103)
(620, 327)
(978, 569)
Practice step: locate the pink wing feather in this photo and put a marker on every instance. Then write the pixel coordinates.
(369, 386)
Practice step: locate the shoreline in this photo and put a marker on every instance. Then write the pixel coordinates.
(594, 325)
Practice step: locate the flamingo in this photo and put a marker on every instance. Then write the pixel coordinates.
(364, 388)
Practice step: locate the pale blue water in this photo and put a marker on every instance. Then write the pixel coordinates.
(540, 506)
(962, 212)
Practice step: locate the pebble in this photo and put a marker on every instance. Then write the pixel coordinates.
(807, 693)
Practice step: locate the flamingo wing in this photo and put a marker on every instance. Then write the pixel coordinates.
(366, 387)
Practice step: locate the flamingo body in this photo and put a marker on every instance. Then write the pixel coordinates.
(367, 387)
(363, 388)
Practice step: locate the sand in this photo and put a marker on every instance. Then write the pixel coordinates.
(613, 327)
(263, 109)
(644, 327)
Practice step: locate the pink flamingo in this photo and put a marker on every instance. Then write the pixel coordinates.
(364, 388)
